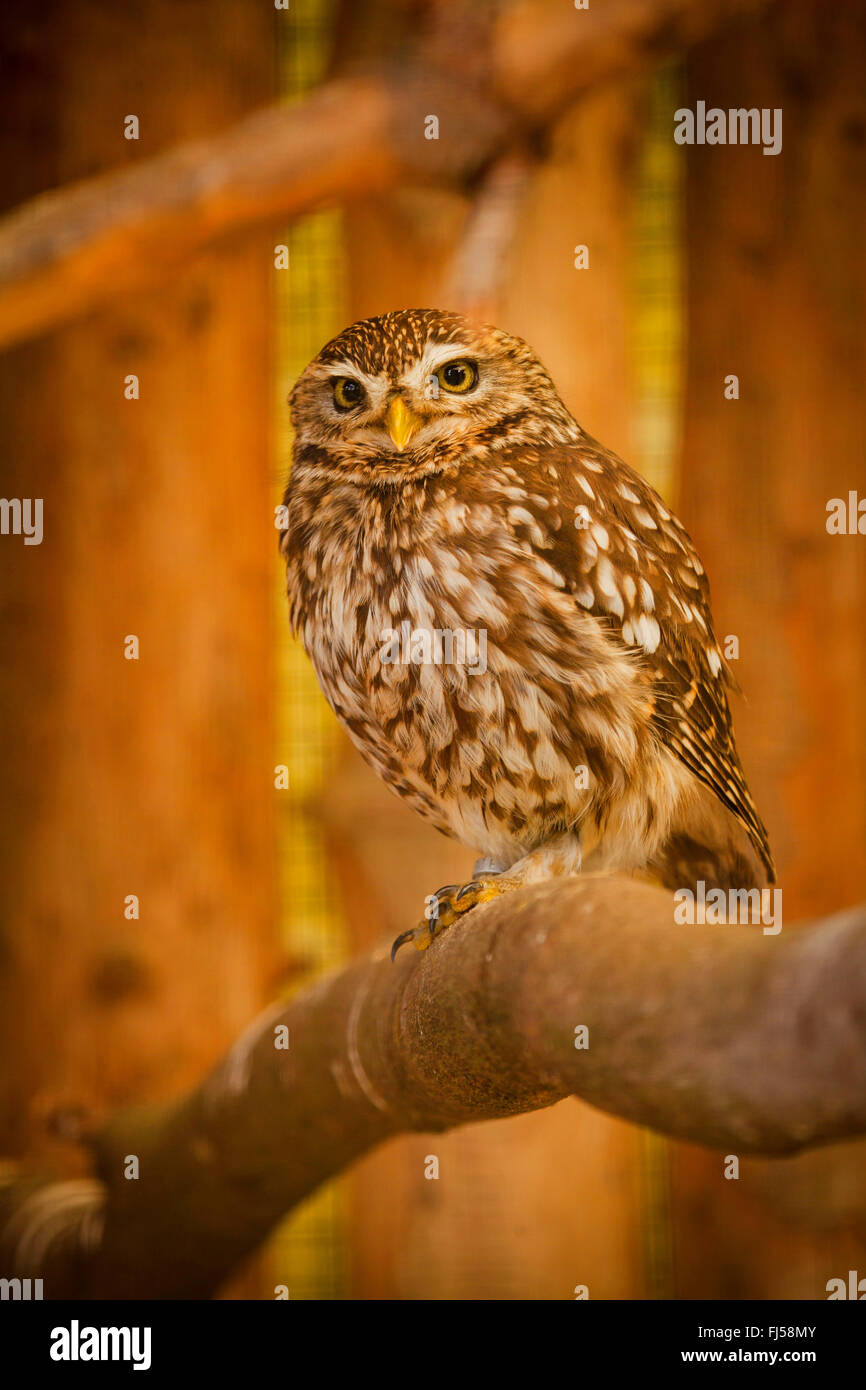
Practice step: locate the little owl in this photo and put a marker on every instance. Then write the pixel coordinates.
(512, 626)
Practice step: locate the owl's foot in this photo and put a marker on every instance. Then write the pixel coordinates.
(556, 857)
(447, 904)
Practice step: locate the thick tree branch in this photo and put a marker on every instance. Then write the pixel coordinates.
(542, 58)
(719, 1035)
(74, 249)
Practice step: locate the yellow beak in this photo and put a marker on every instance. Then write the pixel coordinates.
(401, 423)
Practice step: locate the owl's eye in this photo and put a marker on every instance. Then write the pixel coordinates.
(458, 376)
(347, 392)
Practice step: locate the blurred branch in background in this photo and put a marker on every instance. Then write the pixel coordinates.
(474, 278)
(74, 249)
(720, 1036)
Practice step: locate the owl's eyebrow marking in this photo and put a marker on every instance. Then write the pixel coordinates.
(343, 367)
(440, 353)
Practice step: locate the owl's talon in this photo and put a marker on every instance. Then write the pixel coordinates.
(401, 941)
(449, 903)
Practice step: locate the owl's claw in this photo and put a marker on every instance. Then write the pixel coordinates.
(446, 905)
(401, 941)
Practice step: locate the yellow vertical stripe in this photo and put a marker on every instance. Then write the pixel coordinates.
(308, 1252)
(657, 333)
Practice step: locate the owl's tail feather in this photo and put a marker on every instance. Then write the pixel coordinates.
(710, 844)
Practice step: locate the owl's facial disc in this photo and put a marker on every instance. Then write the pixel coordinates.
(395, 406)
(390, 424)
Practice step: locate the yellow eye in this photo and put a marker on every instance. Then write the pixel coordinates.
(347, 392)
(458, 376)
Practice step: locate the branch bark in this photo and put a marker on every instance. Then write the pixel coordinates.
(74, 249)
(718, 1035)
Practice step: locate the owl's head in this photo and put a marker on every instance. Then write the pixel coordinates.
(420, 391)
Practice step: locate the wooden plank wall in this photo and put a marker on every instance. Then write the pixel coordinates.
(777, 295)
(151, 777)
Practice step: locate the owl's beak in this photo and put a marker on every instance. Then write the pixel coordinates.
(401, 422)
